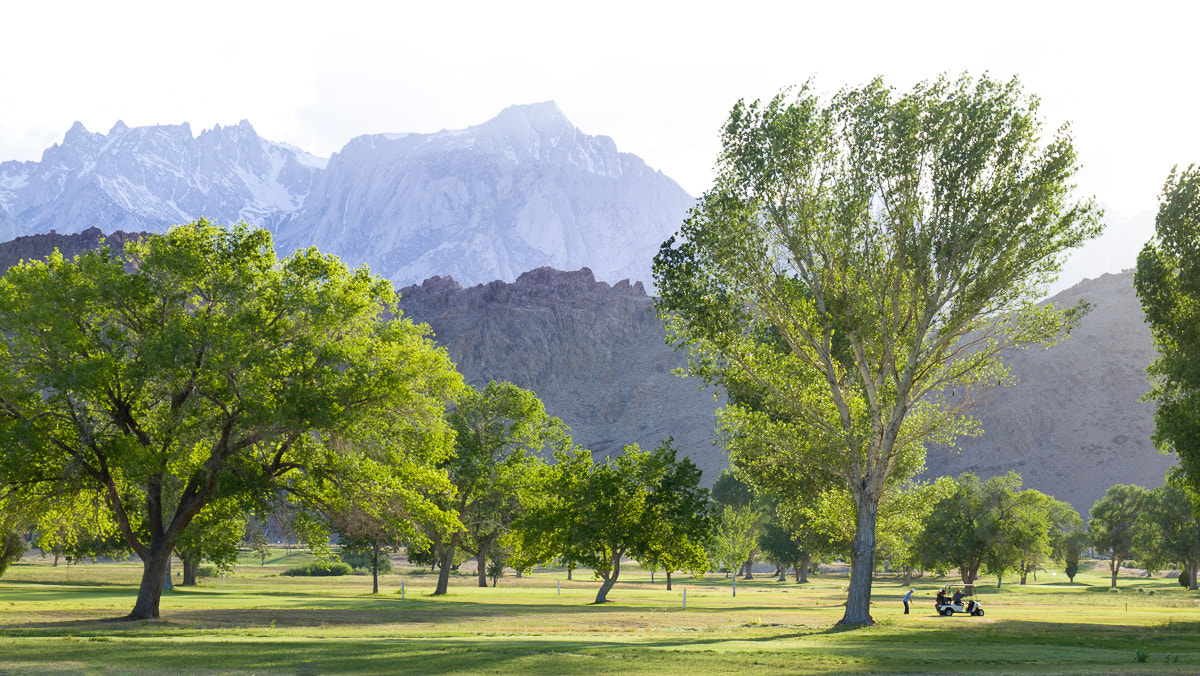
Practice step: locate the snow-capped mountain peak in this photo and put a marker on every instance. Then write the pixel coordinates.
(523, 190)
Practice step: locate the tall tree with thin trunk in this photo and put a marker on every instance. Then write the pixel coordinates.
(864, 259)
(197, 367)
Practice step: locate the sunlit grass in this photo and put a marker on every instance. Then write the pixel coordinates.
(59, 620)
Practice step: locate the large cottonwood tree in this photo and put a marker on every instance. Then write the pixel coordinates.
(863, 260)
(198, 367)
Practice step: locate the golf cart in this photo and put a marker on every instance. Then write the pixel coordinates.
(968, 605)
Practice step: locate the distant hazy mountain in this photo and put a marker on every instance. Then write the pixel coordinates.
(148, 178)
(524, 190)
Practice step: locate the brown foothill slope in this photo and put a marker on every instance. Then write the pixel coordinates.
(1073, 424)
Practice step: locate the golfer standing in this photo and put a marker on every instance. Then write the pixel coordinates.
(906, 598)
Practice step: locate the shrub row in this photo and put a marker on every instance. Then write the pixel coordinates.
(318, 569)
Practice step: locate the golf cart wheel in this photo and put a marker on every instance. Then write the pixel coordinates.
(978, 612)
(948, 612)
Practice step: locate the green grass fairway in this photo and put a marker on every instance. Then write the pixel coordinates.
(59, 620)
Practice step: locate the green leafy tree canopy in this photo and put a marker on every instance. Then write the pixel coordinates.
(862, 261)
(197, 367)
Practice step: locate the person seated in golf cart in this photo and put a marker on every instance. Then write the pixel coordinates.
(940, 600)
(958, 597)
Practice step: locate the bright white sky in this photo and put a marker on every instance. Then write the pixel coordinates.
(657, 77)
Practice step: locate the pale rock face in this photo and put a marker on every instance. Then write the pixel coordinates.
(523, 190)
(149, 178)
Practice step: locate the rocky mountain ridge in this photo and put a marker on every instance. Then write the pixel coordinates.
(523, 190)
(595, 354)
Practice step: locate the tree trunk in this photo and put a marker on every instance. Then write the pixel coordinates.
(802, 570)
(167, 584)
(669, 581)
(862, 562)
(610, 579)
(191, 568)
(1024, 574)
(908, 576)
(781, 571)
(154, 570)
(998, 579)
(443, 583)
(748, 569)
(1114, 565)
(485, 548)
(481, 564)
(374, 567)
(1195, 567)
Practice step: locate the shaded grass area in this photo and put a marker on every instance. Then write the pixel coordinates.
(260, 623)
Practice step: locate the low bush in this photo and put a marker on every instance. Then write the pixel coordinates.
(318, 569)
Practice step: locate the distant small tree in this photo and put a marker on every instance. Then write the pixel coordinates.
(500, 433)
(1112, 523)
(677, 519)
(954, 535)
(735, 535)
(497, 562)
(212, 536)
(255, 538)
(1073, 545)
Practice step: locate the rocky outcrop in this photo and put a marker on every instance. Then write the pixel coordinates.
(37, 247)
(594, 353)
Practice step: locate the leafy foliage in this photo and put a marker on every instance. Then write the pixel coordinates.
(862, 260)
(197, 367)
(1167, 281)
(12, 548)
(1111, 523)
(319, 569)
(992, 524)
(734, 536)
(638, 503)
(1167, 529)
(501, 433)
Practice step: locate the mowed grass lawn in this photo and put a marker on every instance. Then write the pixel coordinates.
(60, 620)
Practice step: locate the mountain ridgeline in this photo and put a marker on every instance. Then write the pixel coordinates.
(523, 190)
